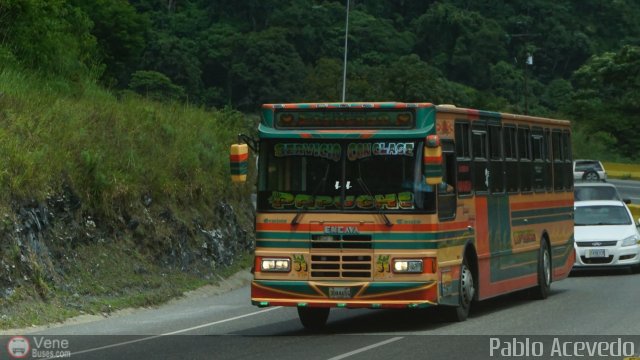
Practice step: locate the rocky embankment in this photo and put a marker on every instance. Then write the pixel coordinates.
(40, 241)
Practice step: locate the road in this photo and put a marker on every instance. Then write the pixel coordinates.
(591, 305)
(629, 189)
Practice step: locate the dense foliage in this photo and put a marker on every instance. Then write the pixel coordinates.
(583, 54)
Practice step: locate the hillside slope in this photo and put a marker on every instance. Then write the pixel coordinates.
(111, 201)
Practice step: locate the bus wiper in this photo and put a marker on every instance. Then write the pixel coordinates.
(384, 216)
(296, 218)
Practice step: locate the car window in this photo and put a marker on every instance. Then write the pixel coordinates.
(588, 165)
(582, 193)
(601, 215)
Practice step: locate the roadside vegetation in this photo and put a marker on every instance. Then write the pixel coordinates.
(116, 117)
(622, 171)
(106, 195)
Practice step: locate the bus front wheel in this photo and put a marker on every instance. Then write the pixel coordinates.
(466, 291)
(541, 291)
(313, 318)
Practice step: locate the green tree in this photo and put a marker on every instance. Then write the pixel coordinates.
(463, 44)
(177, 58)
(219, 46)
(606, 98)
(266, 68)
(50, 36)
(121, 34)
(324, 81)
(155, 85)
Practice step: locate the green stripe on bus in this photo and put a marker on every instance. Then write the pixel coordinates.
(282, 244)
(499, 235)
(301, 287)
(541, 220)
(282, 235)
(541, 212)
(378, 288)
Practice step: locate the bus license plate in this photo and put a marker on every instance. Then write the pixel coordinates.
(597, 253)
(340, 292)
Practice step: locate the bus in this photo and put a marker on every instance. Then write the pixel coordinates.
(406, 205)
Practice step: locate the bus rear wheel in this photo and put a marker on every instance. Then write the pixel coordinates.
(541, 291)
(313, 318)
(466, 291)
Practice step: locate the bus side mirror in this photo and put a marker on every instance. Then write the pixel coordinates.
(432, 160)
(238, 161)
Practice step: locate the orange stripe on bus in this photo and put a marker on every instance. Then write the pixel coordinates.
(540, 204)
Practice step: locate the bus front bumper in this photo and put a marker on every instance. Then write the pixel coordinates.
(374, 295)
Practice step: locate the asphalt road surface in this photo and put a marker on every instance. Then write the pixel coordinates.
(628, 189)
(593, 307)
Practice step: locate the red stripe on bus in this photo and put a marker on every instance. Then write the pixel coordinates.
(240, 157)
(473, 114)
(489, 289)
(432, 159)
(482, 227)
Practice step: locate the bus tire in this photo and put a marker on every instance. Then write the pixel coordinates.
(466, 292)
(541, 291)
(313, 319)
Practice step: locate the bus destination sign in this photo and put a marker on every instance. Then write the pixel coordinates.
(328, 119)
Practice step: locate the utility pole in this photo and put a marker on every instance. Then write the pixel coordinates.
(528, 62)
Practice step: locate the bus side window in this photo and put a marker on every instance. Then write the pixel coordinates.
(548, 179)
(511, 158)
(463, 158)
(558, 161)
(496, 165)
(447, 200)
(568, 160)
(524, 156)
(479, 148)
(538, 147)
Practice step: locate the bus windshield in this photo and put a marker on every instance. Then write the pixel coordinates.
(346, 176)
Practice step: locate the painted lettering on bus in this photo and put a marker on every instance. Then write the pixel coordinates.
(282, 200)
(357, 151)
(524, 237)
(341, 230)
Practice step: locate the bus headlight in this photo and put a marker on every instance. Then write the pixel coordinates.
(275, 265)
(407, 266)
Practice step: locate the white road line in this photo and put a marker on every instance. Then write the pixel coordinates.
(366, 348)
(171, 333)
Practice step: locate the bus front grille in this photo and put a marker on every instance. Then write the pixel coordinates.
(341, 242)
(596, 243)
(341, 266)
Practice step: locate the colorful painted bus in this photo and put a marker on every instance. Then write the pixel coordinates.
(407, 205)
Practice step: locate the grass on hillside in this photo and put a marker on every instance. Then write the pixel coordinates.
(109, 149)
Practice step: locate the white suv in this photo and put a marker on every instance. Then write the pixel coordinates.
(588, 170)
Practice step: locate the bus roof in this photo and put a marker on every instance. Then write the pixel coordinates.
(474, 113)
(352, 105)
(423, 123)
